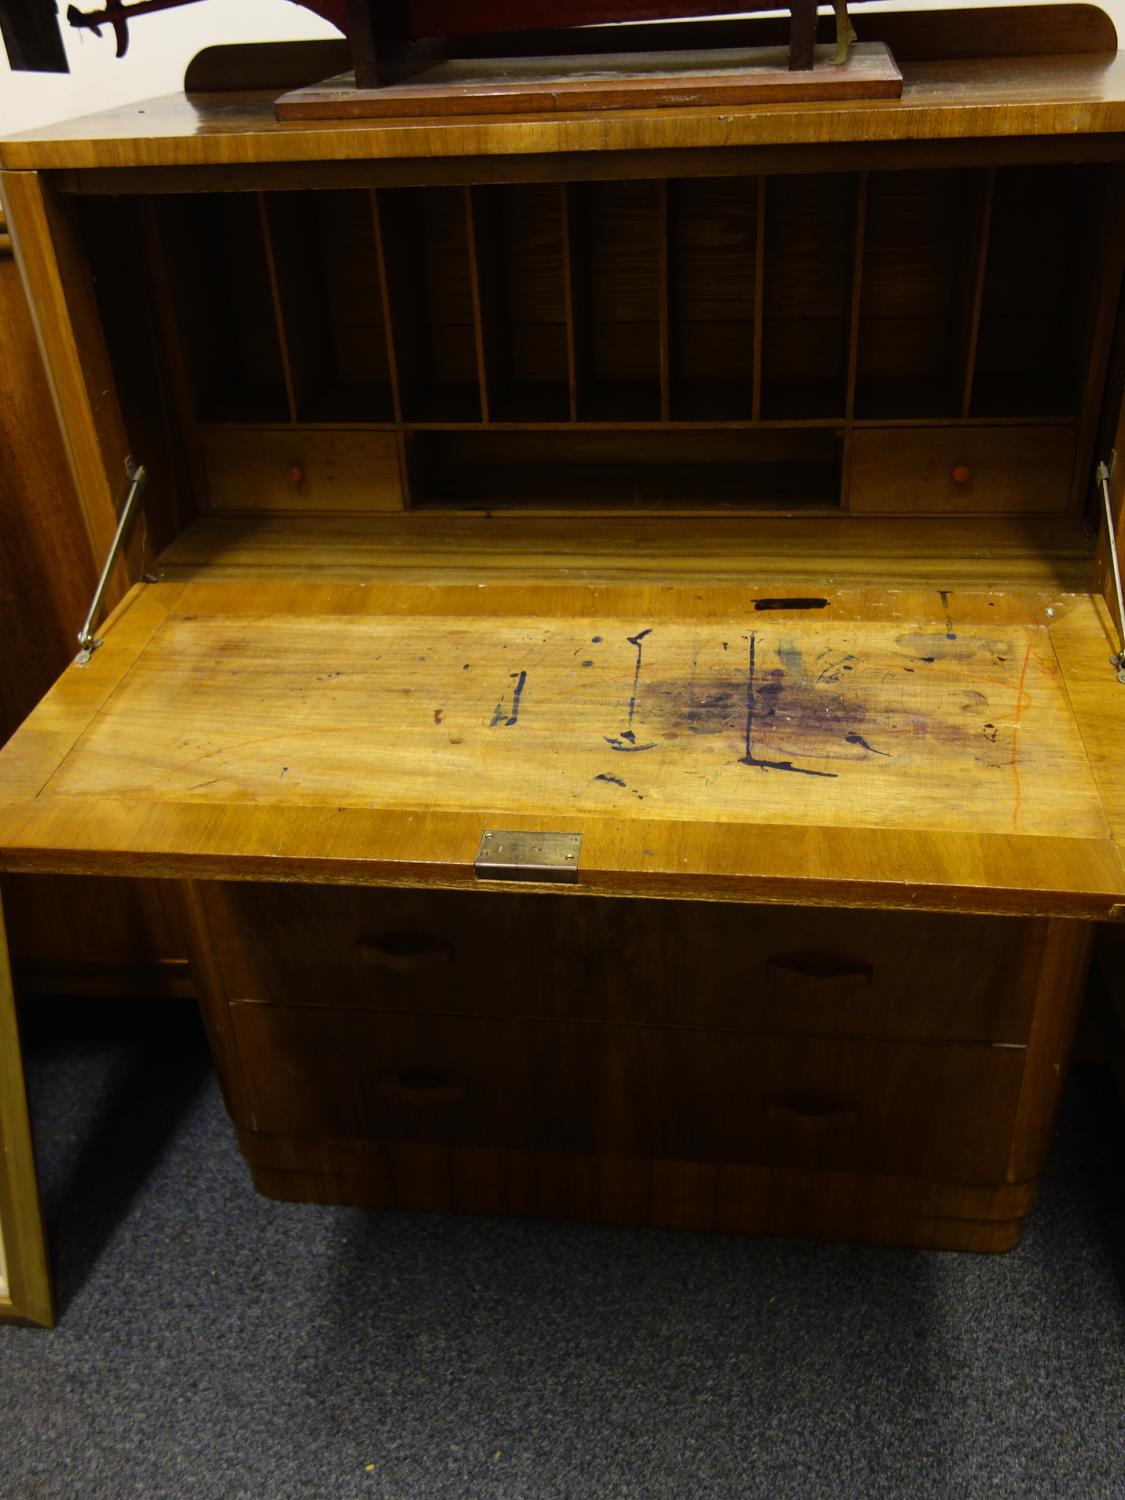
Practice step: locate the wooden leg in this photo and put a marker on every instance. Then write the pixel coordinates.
(383, 48)
(845, 33)
(802, 35)
(25, 1282)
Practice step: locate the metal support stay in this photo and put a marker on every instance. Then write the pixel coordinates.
(86, 638)
(1103, 476)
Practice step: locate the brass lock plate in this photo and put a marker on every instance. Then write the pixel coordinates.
(516, 855)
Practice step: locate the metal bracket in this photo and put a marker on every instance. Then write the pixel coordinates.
(86, 639)
(1104, 471)
(539, 857)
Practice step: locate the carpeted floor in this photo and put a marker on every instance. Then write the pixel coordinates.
(213, 1344)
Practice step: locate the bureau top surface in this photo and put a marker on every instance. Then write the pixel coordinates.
(944, 100)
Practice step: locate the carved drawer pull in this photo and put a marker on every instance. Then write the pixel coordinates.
(422, 1086)
(826, 972)
(407, 952)
(813, 1114)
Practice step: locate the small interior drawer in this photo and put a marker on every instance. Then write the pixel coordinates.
(968, 470)
(308, 469)
(745, 968)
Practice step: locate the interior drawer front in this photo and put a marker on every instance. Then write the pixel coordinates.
(267, 469)
(911, 1109)
(504, 1081)
(973, 470)
(771, 969)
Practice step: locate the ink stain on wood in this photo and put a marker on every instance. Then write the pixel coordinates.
(934, 646)
(857, 739)
(797, 708)
(760, 604)
(754, 694)
(627, 739)
(943, 594)
(927, 744)
(504, 716)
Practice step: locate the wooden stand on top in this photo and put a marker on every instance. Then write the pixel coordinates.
(610, 81)
(407, 63)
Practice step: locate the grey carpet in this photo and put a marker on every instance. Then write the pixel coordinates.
(214, 1344)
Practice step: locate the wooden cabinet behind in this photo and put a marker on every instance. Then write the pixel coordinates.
(66, 934)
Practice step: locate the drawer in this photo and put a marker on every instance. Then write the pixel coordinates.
(972, 470)
(270, 469)
(394, 950)
(916, 975)
(747, 968)
(905, 1109)
(897, 1108)
(313, 1071)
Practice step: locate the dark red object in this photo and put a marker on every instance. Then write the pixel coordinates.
(392, 39)
(429, 18)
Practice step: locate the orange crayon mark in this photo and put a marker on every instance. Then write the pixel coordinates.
(1022, 701)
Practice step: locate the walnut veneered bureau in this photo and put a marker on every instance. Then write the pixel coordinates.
(618, 658)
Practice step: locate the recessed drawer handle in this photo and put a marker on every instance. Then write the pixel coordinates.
(407, 952)
(421, 1086)
(814, 1114)
(822, 970)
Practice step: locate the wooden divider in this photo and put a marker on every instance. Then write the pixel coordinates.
(831, 302)
(975, 262)
(576, 291)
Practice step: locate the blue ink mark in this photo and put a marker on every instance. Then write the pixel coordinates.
(605, 776)
(950, 635)
(596, 640)
(587, 663)
(516, 696)
(831, 671)
(789, 655)
(500, 714)
(750, 759)
(857, 739)
(627, 739)
(635, 640)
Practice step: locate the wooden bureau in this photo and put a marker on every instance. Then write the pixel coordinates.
(719, 492)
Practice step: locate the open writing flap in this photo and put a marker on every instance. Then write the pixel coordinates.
(872, 747)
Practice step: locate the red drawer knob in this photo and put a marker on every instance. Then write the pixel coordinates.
(962, 474)
(296, 475)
